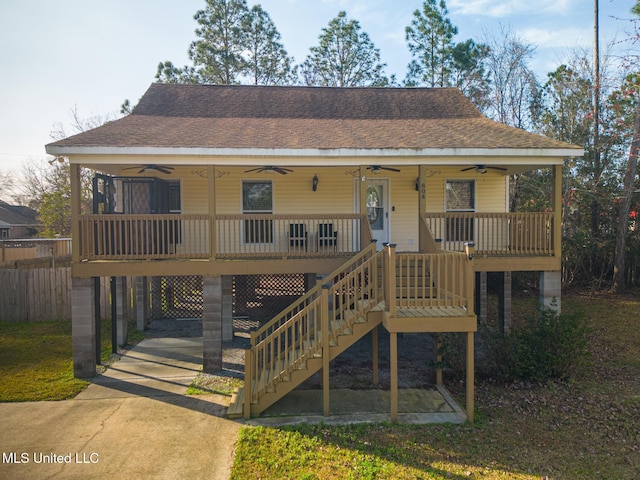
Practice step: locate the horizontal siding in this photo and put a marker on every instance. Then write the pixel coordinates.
(491, 191)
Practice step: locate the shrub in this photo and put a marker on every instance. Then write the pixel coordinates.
(546, 346)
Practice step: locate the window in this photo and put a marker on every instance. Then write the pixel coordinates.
(460, 197)
(4, 233)
(175, 197)
(257, 198)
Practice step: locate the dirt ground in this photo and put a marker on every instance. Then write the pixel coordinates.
(352, 369)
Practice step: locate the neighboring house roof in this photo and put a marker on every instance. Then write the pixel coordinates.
(211, 120)
(17, 216)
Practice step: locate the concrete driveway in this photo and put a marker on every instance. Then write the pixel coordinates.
(134, 421)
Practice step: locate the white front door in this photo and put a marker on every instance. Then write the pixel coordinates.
(377, 208)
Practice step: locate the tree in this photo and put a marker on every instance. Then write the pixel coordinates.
(438, 61)
(46, 186)
(217, 55)
(430, 41)
(514, 87)
(235, 45)
(268, 61)
(345, 57)
(625, 206)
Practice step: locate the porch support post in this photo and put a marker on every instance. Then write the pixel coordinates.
(481, 295)
(122, 310)
(551, 290)
(470, 376)
(504, 303)
(393, 343)
(390, 278)
(83, 327)
(374, 356)
(422, 207)
(557, 211)
(227, 308)
(310, 280)
(212, 324)
(76, 201)
(324, 322)
(141, 302)
(211, 175)
(438, 358)
(363, 190)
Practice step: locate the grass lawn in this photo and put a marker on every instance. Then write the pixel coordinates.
(36, 361)
(588, 427)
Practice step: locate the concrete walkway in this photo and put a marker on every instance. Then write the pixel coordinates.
(134, 421)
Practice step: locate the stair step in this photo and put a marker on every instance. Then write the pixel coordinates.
(339, 326)
(353, 317)
(236, 405)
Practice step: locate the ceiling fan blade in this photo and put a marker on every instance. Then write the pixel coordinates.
(280, 170)
(468, 168)
(390, 169)
(498, 168)
(162, 169)
(259, 169)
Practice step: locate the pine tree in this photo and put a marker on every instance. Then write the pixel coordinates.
(345, 57)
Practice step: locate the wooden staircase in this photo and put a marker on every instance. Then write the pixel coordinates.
(303, 339)
(405, 292)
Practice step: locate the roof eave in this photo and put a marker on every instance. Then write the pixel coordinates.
(227, 155)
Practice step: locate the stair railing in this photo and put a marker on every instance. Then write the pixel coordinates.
(289, 339)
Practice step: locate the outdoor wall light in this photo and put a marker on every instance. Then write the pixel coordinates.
(314, 183)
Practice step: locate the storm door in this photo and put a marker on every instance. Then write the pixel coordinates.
(377, 209)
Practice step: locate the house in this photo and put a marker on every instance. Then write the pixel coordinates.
(389, 205)
(17, 221)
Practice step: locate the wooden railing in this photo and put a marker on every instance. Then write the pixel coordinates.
(519, 233)
(288, 235)
(172, 236)
(433, 280)
(292, 336)
(131, 237)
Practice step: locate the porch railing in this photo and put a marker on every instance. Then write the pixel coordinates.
(172, 236)
(516, 233)
(135, 237)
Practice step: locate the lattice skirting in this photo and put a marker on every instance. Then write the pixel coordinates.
(256, 297)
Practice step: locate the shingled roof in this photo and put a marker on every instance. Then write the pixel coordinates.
(226, 117)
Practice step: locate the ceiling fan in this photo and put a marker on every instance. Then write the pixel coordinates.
(145, 168)
(482, 169)
(280, 170)
(375, 169)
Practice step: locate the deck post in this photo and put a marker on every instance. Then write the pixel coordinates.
(227, 308)
(470, 376)
(393, 343)
(248, 379)
(324, 314)
(212, 324)
(438, 359)
(122, 311)
(390, 278)
(374, 356)
(141, 302)
(83, 327)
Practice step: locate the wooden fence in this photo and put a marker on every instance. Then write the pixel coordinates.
(42, 295)
(29, 248)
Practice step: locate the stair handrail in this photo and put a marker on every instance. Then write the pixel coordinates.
(312, 294)
(287, 324)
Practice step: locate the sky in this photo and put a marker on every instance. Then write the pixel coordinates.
(91, 55)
